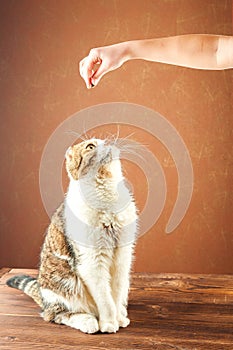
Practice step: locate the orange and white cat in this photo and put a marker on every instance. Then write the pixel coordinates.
(86, 258)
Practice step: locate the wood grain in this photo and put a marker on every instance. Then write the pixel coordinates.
(4, 270)
(167, 311)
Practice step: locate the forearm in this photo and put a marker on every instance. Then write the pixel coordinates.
(200, 51)
(194, 51)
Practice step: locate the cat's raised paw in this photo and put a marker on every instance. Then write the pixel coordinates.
(109, 327)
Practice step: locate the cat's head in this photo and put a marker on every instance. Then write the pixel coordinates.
(92, 157)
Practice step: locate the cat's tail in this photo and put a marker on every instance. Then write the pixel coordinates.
(28, 285)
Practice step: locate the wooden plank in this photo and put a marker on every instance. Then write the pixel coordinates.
(131, 338)
(210, 289)
(166, 311)
(4, 270)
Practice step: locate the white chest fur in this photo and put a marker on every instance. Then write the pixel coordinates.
(100, 211)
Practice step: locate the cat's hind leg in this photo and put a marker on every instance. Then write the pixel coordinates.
(59, 313)
(86, 323)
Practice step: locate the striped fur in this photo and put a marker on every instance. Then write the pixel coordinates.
(28, 285)
(82, 285)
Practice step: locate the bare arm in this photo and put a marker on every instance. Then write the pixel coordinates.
(194, 51)
(200, 51)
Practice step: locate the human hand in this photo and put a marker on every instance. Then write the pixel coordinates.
(101, 61)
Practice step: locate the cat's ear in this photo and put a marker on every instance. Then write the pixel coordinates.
(69, 154)
(73, 162)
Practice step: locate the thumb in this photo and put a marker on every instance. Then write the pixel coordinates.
(99, 73)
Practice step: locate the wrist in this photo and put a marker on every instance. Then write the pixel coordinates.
(131, 50)
(138, 49)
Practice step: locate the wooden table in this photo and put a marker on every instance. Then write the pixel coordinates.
(167, 311)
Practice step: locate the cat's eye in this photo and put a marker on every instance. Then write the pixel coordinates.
(90, 146)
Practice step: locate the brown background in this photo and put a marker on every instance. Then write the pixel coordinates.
(41, 45)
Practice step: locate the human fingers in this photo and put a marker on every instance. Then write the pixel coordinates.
(99, 72)
(89, 65)
(86, 70)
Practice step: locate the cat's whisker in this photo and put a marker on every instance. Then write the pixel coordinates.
(118, 133)
(132, 143)
(72, 132)
(136, 155)
(128, 136)
(78, 136)
(110, 139)
(127, 151)
(85, 132)
(83, 138)
(136, 148)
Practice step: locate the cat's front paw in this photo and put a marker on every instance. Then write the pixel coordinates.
(122, 318)
(90, 325)
(109, 327)
(123, 321)
(84, 322)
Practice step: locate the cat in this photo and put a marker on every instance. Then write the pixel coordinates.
(86, 258)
